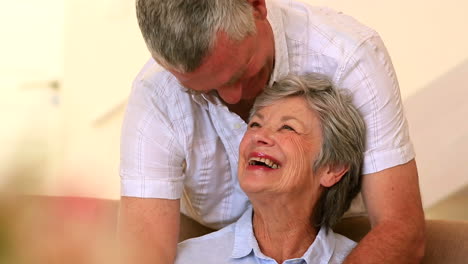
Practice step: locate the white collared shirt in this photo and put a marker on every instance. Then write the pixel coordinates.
(237, 244)
(180, 145)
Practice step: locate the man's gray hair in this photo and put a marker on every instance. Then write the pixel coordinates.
(181, 33)
(343, 132)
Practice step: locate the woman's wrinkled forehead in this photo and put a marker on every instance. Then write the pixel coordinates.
(266, 101)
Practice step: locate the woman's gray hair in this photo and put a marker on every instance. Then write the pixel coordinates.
(180, 33)
(343, 132)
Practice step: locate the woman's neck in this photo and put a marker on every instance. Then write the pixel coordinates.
(283, 232)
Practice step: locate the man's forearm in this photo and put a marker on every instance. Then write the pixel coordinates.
(148, 230)
(391, 242)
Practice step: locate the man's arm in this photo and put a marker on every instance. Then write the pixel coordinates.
(148, 230)
(395, 211)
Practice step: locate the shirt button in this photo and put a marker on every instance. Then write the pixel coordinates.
(237, 126)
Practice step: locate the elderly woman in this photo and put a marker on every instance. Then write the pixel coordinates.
(299, 164)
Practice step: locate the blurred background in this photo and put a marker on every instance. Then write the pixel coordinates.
(66, 68)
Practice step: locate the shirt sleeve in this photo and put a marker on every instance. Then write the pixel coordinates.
(369, 74)
(151, 162)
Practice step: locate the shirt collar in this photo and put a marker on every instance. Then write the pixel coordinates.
(322, 248)
(245, 242)
(275, 18)
(196, 97)
(243, 234)
(203, 99)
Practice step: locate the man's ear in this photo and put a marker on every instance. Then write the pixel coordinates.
(259, 8)
(333, 174)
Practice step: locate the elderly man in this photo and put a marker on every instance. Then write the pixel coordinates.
(184, 124)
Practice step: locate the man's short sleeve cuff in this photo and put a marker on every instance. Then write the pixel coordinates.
(151, 188)
(378, 160)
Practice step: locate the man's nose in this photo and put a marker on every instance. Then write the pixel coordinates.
(231, 94)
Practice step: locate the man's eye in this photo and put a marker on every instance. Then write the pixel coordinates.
(254, 124)
(287, 128)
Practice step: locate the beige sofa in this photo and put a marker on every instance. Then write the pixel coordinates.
(447, 241)
(38, 229)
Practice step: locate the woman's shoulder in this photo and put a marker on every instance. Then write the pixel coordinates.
(343, 247)
(214, 247)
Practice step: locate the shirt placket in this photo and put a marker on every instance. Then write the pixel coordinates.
(230, 128)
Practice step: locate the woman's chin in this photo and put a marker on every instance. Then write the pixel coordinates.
(254, 184)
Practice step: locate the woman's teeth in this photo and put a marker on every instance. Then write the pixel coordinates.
(263, 161)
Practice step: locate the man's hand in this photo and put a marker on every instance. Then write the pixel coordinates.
(148, 230)
(395, 211)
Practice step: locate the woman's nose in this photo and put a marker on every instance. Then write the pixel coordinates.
(263, 137)
(231, 94)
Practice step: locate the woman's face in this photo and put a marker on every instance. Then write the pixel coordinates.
(277, 152)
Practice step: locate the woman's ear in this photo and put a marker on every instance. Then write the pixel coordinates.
(333, 174)
(259, 8)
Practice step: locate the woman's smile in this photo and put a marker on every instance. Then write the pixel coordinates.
(261, 161)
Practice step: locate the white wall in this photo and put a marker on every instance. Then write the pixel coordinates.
(62, 142)
(31, 57)
(103, 53)
(425, 38)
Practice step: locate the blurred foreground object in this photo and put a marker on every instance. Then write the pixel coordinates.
(49, 230)
(72, 230)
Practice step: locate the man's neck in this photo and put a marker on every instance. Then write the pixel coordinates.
(242, 109)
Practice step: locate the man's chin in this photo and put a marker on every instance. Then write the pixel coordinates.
(248, 99)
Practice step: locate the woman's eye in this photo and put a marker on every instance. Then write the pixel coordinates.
(254, 124)
(287, 128)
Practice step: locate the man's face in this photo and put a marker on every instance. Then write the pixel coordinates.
(235, 70)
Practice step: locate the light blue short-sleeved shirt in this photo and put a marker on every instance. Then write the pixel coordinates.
(237, 244)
